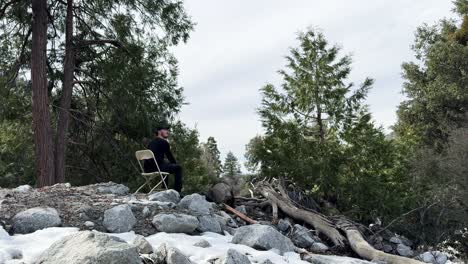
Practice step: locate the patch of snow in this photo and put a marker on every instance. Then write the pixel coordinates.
(219, 246)
(32, 245)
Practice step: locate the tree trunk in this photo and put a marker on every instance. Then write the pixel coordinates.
(65, 100)
(40, 106)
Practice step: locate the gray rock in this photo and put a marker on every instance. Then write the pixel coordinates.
(146, 211)
(221, 193)
(435, 257)
(283, 225)
(266, 261)
(160, 254)
(323, 259)
(225, 219)
(441, 258)
(302, 237)
(174, 256)
(319, 247)
(89, 224)
(119, 219)
(395, 240)
(112, 188)
(175, 223)
(196, 203)
(233, 257)
(387, 248)
(170, 196)
(90, 247)
(34, 219)
(262, 237)
(202, 243)
(208, 223)
(143, 246)
(404, 250)
(427, 257)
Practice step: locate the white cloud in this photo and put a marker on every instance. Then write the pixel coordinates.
(238, 46)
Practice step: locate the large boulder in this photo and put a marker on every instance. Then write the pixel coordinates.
(196, 203)
(168, 196)
(221, 193)
(233, 257)
(175, 223)
(34, 219)
(262, 237)
(208, 223)
(119, 219)
(90, 247)
(112, 188)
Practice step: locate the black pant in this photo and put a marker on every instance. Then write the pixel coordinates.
(175, 169)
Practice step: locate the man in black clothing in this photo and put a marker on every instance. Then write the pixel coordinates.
(160, 148)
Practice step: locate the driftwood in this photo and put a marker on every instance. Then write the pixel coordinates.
(366, 251)
(319, 222)
(329, 228)
(239, 214)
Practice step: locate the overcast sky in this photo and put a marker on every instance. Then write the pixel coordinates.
(238, 46)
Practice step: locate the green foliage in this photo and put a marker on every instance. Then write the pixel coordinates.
(211, 157)
(320, 135)
(188, 153)
(432, 125)
(126, 82)
(436, 86)
(231, 165)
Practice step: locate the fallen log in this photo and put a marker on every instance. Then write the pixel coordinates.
(239, 214)
(366, 251)
(327, 227)
(320, 223)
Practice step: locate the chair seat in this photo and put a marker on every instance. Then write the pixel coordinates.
(154, 173)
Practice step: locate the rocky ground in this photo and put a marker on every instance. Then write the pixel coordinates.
(141, 224)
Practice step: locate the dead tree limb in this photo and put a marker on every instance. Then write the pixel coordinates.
(239, 214)
(319, 222)
(366, 251)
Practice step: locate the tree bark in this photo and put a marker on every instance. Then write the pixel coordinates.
(43, 141)
(366, 251)
(65, 100)
(319, 222)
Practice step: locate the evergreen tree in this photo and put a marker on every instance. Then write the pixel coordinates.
(211, 155)
(231, 166)
(319, 133)
(114, 82)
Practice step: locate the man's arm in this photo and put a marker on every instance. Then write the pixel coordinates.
(169, 155)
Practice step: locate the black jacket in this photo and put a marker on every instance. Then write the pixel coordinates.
(160, 148)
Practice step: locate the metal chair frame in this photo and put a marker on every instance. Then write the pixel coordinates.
(146, 154)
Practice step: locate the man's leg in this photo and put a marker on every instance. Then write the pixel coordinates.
(177, 171)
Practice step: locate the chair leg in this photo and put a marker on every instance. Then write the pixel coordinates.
(156, 186)
(140, 188)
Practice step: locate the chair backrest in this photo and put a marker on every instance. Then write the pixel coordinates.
(145, 154)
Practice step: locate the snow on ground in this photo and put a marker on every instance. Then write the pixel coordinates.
(32, 245)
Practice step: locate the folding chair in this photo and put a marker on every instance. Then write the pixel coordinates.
(142, 155)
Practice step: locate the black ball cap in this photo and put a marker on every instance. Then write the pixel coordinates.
(161, 127)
